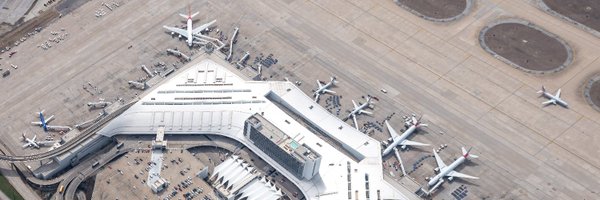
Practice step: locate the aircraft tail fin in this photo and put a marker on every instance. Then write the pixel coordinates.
(466, 153)
(542, 91)
(193, 15)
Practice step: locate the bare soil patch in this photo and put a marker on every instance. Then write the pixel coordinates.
(17, 33)
(586, 12)
(526, 47)
(595, 93)
(436, 9)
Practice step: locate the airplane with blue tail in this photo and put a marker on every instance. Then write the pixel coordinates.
(43, 121)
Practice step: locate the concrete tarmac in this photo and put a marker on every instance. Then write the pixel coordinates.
(437, 69)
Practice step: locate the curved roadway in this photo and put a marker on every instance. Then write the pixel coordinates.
(52, 184)
(85, 170)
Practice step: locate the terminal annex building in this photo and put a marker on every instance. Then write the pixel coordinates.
(274, 119)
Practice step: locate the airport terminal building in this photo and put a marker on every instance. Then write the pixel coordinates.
(274, 119)
(301, 160)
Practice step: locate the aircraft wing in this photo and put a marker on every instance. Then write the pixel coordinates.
(549, 102)
(355, 105)
(366, 112)
(176, 30)
(412, 143)
(438, 160)
(393, 132)
(26, 145)
(36, 123)
(329, 91)
(557, 95)
(203, 27)
(355, 122)
(461, 175)
(46, 120)
(319, 84)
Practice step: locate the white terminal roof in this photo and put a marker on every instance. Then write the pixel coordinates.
(236, 178)
(207, 98)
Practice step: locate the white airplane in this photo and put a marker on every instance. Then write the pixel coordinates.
(32, 143)
(190, 32)
(359, 110)
(324, 88)
(43, 121)
(401, 139)
(448, 171)
(554, 99)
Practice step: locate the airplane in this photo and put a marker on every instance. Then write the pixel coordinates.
(43, 121)
(190, 32)
(401, 139)
(32, 143)
(359, 110)
(44, 124)
(448, 171)
(323, 88)
(554, 99)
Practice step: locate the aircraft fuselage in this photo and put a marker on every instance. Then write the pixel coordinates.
(190, 37)
(399, 139)
(43, 121)
(444, 171)
(322, 89)
(559, 101)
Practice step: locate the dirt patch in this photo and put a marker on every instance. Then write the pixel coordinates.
(436, 10)
(593, 92)
(17, 33)
(526, 46)
(585, 12)
(66, 6)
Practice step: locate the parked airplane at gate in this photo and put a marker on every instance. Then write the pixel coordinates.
(359, 110)
(324, 88)
(190, 32)
(448, 171)
(43, 121)
(554, 99)
(33, 143)
(401, 139)
(44, 124)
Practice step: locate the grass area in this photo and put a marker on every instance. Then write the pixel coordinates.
(8, 189)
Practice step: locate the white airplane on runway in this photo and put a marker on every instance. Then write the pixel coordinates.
(448, 171)
(401, 139)
(324, 88)
(32, 143)
(359, 110)
(190, 32)
(554, 99)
